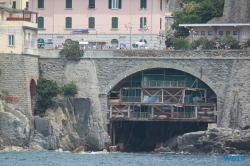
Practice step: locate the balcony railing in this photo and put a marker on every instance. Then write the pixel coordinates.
(140, 115)
(128, 99)
(162, 84)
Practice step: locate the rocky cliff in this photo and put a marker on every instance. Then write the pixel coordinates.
(235, 11)
(68, 126)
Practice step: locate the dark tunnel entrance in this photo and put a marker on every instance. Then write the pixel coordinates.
(143, 136)
(151, 106)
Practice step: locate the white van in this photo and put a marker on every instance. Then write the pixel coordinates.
(139, 45)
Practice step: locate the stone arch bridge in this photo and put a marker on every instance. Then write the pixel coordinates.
(227, 73)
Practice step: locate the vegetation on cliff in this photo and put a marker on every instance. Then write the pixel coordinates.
(72, 51)
(48, 91)
(196, 11)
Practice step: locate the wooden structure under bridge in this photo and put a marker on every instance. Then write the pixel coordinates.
(162, 95)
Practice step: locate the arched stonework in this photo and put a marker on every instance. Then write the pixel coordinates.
(186, 69)
(32, 85)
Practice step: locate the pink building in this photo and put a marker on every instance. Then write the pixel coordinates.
(101, 22)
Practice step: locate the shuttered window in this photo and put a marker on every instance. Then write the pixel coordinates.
(91, 22)
(40, 22)
(114, 22)
(40, 3)
(27, 4)
(141, 22)
(160, 4)
(68, 22)
(115, 4)
(91, 4)
(68, 4)
(143, 4)
(14, 5)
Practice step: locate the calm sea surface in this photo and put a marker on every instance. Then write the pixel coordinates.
(48, 158)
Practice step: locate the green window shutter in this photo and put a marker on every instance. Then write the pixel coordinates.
(145, 22)
(14, 5)
(40, 22)
(143, 4)
(27, 4)
(68, 22)
(110, 2)
(40, 3)
(68, 4)
(114, 22)
(160, 23)
(161, 4)
(91, 3)
(91, 22)
(120, 4)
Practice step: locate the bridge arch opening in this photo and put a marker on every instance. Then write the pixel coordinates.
(151, 106)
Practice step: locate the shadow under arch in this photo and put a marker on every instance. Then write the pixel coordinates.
(139, 68)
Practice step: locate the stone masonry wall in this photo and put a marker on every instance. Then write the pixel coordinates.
(226, 72)
(18, 70)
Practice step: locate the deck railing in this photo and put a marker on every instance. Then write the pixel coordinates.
(163, 84)
(183, 115)
(129, 99)
(140, 115)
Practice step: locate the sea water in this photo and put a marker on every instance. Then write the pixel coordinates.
(50, 158)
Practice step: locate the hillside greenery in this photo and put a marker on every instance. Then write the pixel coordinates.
(196, 11)
(72, 51)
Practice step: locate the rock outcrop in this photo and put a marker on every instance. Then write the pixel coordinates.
(15, 126)
(73, 124)
(214, 141)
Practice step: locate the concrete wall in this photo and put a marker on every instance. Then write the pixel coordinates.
(18, 70)
(25, 37)
(226, 72)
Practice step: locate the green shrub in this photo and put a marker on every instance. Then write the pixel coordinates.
(247, 44)
(72, 51)
(70, 89)
(230, 42)
(47, 90)
(202, 43)
(181, 44)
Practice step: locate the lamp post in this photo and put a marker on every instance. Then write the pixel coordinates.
(142, 25)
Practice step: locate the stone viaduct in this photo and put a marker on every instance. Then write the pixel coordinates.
(227, 72)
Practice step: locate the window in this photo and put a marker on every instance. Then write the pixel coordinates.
(220, 32)
(40, 23)
(196, 33)
(160, 23)
(160, 4)
(91, 22)
(40, 3)
(68, 22)
(141, 22)
(235, 33)
(11, 40)
(14, 5)
(203, 33)
(27, 4)
(91, 4)
(210, 33)
(143, 4)
(115, 4)
(68, 4)
(114, 22)
(227, 32)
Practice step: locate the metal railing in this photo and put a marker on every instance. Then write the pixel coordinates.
(140, 115)
(183, 115)
(154, 83)
(128, 99)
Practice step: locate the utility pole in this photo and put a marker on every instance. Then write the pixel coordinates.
(129, 25)
(142, 25)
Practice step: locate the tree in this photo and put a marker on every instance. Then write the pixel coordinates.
(169, 35)
(181, 44)
(247, 44)
(47, 90)
(202, 43)
(197, 11)
(229, 42)
(70, 89)
(72, 51)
